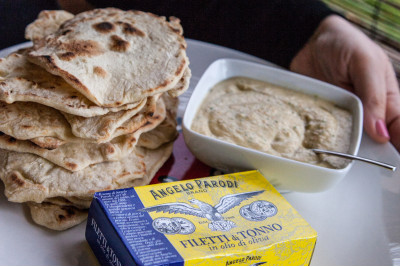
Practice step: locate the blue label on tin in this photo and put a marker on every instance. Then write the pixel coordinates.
(147, 246)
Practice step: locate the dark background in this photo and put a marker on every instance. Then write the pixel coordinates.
(15, 15)
(271, 29)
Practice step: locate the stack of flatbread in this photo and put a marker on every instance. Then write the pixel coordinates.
(90, 106)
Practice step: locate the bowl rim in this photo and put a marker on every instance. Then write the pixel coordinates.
(187, 122)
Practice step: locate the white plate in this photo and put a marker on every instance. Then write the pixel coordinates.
(358, 221)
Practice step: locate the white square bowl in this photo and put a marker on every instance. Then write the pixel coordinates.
(284, 174)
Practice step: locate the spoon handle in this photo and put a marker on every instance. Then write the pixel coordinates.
(348, 156)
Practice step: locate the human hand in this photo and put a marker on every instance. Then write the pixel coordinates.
(340, 54)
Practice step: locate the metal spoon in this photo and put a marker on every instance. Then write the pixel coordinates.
(348, 156)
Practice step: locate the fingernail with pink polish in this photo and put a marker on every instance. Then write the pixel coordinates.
(381, 129)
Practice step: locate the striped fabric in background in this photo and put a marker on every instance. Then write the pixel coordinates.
(379, 19)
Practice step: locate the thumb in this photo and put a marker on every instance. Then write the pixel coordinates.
(370, 85)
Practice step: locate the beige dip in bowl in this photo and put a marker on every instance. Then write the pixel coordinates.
(246, 116)
(275, 120)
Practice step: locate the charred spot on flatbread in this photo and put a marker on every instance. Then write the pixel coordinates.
(99, 71)
(118, 44)
(71, 165)
(66, 32)
(69, 212)
(56, 217)
(104, 27)
(129, 29)
(16, 180)
(110, 149)
(67, 56)
(82, 47)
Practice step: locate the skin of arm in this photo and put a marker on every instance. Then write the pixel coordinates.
(341, 54)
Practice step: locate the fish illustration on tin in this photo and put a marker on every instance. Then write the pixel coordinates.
(205, 210)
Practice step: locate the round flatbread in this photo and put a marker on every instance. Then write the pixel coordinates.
(29, 178)
(115, 57)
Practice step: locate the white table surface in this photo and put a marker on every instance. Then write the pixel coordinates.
(358, 221)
